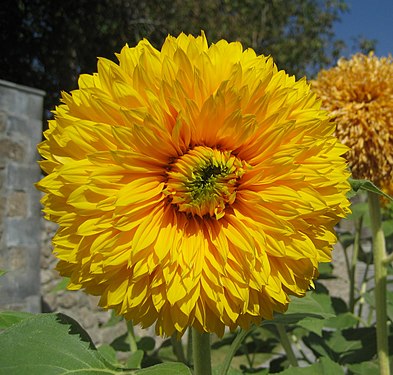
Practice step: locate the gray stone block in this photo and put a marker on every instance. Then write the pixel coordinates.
(34, 108)
(36, 136)
(16, 126)
(12, 149)
(25, 128)
(17, 204)
(17, 98)
(17, 286)
(22, 177)
(22, 232)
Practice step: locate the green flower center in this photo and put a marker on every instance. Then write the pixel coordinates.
(204, 181)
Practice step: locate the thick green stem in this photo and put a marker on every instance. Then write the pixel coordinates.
(287, 345)
(232, 351)
(201, 353)
(131, 336)
(380, 272)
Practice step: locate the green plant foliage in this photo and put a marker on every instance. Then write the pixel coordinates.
(232, 371)
(365, 368)
(48, 344)
(135, 359)
(120, 343)
(9, 318)
(342, 321)
(165, 369)
(312, 306)
(366, 185)
(56, 344)
(324, 367)
(107, 352)
(146, 343)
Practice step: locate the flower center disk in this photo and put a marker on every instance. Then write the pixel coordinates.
(204, 181)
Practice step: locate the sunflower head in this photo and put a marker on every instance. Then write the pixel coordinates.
(194, 185)
(204, 181)
(359, 94)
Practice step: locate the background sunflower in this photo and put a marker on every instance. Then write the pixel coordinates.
(359, 94)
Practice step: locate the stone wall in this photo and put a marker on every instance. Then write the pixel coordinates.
(20, 225)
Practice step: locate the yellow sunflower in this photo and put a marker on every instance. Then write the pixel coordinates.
(359, 94)
(193, 186)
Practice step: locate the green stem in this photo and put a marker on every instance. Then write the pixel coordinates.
(178, 350)
(232, 351)
(287, 345)
(380, 274)
(131, 336)
(201, 353)
(355, 254)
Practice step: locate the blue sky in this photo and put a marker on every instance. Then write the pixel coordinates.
(370, 19)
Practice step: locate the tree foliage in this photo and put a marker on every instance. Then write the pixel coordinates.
(47, 43)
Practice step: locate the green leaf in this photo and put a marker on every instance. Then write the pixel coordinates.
(319, 304)
(342, 321)
(9, 318)
(313, 324)
(325, 271)
(170, 368)
(49, 344)
(135, 359)
(325, 367)
(341, 345)
(352, 345)
(146, 343)
(120, 343)
(368, 348)
(313, 305)
(367, 186)
(330, 367)
(108, 353)
(319, 346)
(3, 272)
(231, 371)
(365, 368)
(263, 371)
